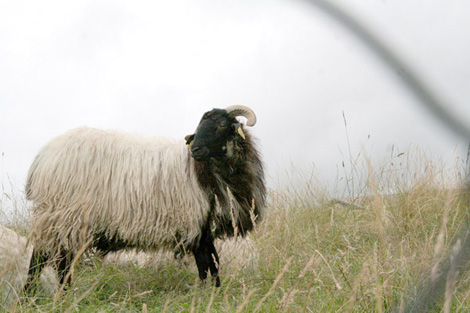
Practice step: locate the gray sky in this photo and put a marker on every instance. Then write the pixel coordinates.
(154, 67)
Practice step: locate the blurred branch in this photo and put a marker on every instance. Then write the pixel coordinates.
(346, 204)
(412, 80)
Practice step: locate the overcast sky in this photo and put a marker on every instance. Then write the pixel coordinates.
(154, 67)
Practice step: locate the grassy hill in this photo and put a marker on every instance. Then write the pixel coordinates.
(376, 250)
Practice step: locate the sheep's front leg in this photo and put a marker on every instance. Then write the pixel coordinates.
(213, 262)
(207, 258)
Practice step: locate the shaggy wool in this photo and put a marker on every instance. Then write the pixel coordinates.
(91, 182)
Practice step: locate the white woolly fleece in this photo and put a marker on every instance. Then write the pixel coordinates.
(140, 190)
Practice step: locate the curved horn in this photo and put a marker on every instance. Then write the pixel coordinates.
(241, 110)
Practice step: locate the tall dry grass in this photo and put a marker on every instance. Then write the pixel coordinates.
(318, 251)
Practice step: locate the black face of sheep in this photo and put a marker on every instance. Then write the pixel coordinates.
(215, 129)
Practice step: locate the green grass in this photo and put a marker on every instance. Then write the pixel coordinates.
(315, 255)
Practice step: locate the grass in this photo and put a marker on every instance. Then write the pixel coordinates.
(372, 251)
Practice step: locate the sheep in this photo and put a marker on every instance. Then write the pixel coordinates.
(15, 255)
(111, 191)
(235, 253)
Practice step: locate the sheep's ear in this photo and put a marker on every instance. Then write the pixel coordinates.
(189, 139)
(239, 129)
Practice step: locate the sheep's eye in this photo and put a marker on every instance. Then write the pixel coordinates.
(223, 124)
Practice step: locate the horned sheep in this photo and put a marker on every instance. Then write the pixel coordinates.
(110, 190)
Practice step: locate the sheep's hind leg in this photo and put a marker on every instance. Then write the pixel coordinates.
(63, 264)
(36, 264)
(207, 259)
